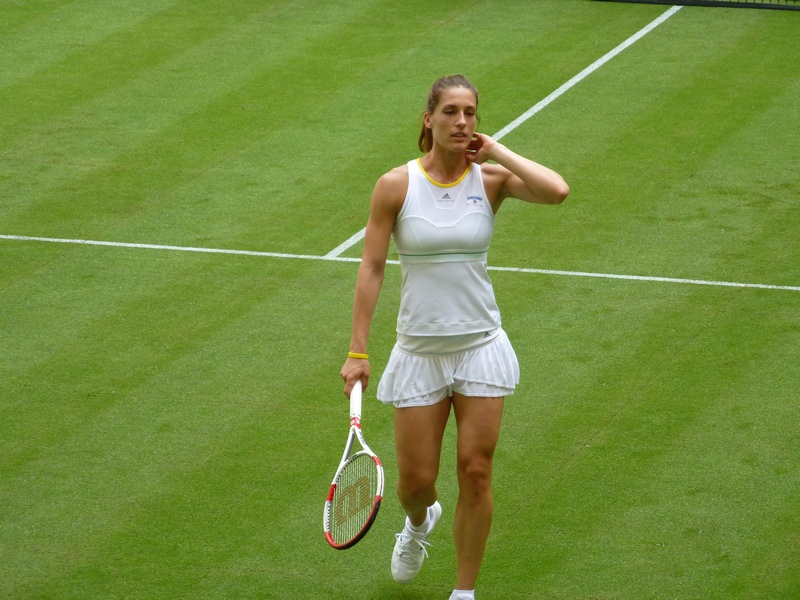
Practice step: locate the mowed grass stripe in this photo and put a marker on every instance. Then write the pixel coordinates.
(166, 122)
(160, 388)
(119, 54)
(649, 446)
(39, 34)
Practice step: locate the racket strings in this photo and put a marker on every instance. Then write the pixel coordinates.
(352, 502)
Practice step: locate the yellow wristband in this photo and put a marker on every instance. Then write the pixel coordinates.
(357, 355)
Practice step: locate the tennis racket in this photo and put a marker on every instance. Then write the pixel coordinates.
(357, 489)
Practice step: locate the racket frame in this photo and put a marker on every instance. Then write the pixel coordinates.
(354, 434)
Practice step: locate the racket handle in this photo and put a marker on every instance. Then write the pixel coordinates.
(355, 401)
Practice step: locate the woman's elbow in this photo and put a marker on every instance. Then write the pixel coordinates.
(372, 270)
(559, 193)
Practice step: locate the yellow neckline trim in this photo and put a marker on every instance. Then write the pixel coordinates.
(442, 185)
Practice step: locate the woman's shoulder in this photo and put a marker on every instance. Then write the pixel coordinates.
(393, 185)
(395, 177)
(493, 170)
(494, 177)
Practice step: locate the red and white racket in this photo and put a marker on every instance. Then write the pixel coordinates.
(357, 489)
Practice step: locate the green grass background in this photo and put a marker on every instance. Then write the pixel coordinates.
(170, 421)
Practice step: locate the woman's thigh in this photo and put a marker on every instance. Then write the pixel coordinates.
(418, 432)
(478, 421)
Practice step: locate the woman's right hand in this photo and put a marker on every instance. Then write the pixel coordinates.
(355, 369)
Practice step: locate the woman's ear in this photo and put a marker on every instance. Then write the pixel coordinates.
(426, 120)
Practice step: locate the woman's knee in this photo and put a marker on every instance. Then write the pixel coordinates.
(475, 473)
(416, 482)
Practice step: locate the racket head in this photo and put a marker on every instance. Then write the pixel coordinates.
(354, 499)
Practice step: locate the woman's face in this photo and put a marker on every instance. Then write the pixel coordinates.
(453, 121)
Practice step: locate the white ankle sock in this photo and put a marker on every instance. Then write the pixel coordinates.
(463, 595)
(419, 528)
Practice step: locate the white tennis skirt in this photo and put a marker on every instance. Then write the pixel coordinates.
(490, 371)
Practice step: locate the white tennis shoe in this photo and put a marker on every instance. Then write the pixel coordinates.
(410, 549)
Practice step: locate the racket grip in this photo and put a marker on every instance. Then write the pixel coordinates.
(355, 401)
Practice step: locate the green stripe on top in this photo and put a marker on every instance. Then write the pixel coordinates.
(437, 257)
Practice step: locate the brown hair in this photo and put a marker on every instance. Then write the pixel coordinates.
(434, 95)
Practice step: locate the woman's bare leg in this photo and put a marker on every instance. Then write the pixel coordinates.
(478, 421)
(418, 434)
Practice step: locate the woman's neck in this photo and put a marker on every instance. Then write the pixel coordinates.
(444, 166)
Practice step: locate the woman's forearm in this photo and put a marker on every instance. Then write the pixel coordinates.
(545, 184)
(368, 288)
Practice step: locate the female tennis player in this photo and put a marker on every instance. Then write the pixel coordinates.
(451, 351)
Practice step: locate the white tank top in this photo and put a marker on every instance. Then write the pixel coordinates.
(442, 236)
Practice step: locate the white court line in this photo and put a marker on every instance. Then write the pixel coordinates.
(540, 105)
(23, 238)
(354, 239)
(585, 73)
(763, 286)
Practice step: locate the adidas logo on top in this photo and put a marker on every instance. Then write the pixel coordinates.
(446, 196)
